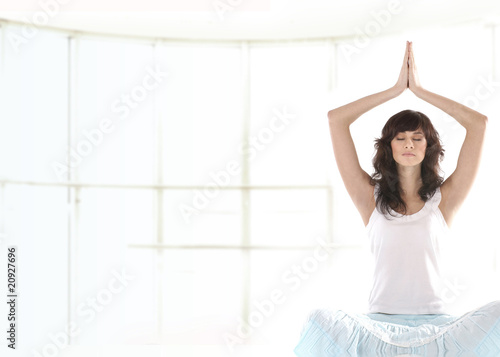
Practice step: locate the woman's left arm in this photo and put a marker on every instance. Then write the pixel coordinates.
(460, 181)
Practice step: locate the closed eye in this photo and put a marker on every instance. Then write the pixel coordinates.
(413, 139)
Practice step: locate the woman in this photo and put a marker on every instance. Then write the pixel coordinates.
(406, 208)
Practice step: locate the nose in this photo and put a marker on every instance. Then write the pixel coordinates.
(409, 143)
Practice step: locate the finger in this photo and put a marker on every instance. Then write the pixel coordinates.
(411, 58)
(408, 68)
(405, 60)
(407, 52)
(413, 68)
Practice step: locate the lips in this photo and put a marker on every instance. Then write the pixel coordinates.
(408, 154)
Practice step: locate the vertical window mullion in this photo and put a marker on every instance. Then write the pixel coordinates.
(245, 177)
(73, 191)
(158, 174)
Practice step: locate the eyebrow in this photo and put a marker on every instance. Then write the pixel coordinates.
(415, 133)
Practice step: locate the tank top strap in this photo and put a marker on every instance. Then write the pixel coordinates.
(436, 199)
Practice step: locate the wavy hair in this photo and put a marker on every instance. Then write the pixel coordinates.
(385, 169)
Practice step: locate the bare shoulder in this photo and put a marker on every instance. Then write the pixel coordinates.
(447, 209)
(362, 195)
(369, 204)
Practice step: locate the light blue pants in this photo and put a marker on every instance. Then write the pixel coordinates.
(336, 333)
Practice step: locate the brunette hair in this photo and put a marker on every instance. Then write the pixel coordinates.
(385, 170)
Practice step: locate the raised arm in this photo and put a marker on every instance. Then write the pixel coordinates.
(457, 186)
(356, 180)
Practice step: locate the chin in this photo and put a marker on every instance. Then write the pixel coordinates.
(412, 162)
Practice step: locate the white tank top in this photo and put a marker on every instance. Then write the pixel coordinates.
(406, 277)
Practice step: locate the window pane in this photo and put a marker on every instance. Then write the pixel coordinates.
(289, 130)
(202, 293)
(109, 220)
(217, 222)
(36, 221)
(118, 306)
(201, 113)
(114, 218)
(288, 217)
(33, 124)
(115, 85)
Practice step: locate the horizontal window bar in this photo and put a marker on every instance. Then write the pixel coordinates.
(165, 187)
(242, 247)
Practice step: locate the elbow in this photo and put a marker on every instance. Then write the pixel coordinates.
(485, 120)
(478, 122)
(332, 114)
(336, 119)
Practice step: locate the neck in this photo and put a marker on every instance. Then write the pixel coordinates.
(410, 180)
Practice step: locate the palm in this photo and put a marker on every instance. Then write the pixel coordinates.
(402, 82)
(413, 80)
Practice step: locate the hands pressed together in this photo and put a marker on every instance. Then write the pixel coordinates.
(408, 77)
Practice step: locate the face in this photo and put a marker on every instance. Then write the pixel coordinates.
(408, 148)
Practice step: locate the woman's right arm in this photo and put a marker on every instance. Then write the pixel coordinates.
(356, 180)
